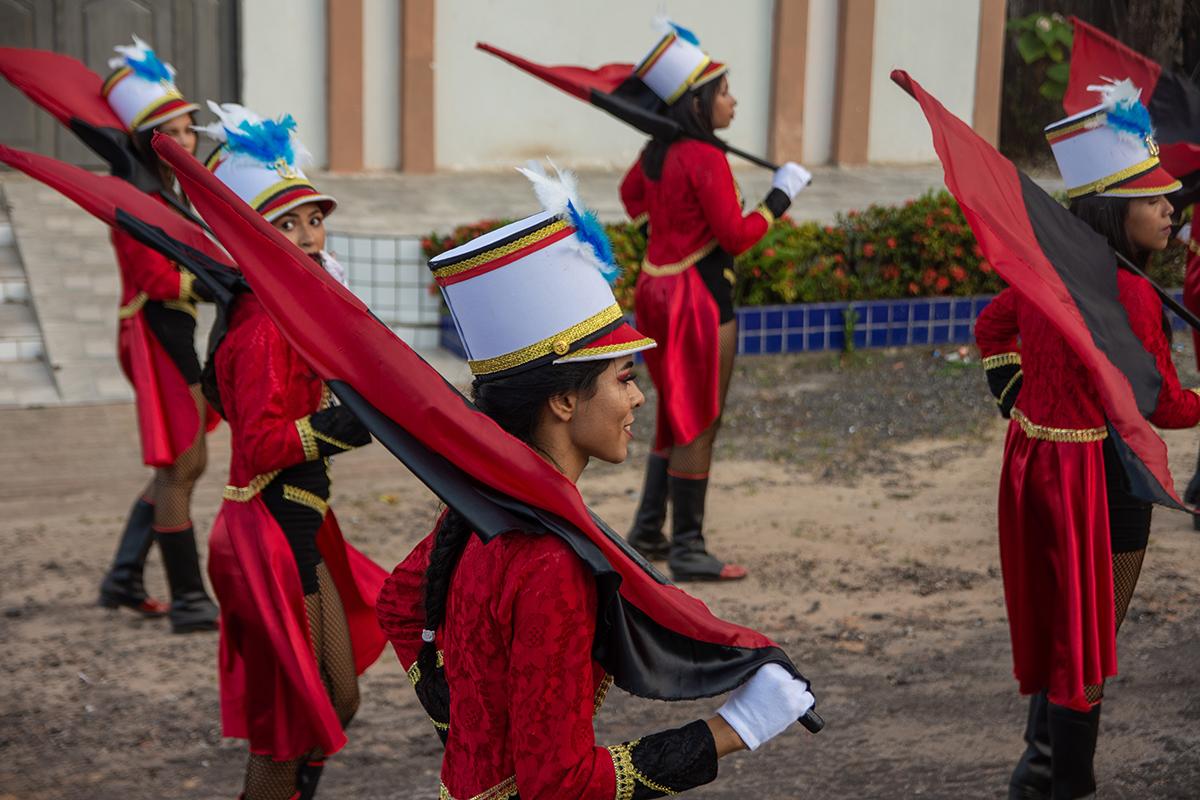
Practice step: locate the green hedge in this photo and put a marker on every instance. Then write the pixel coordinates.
(922, 248)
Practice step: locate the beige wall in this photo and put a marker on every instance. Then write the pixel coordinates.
(491, 115)
(936, 41)
(820, 80)
(381, 84)
(283, 65)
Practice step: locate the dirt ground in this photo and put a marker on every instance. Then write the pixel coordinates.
(874, 564)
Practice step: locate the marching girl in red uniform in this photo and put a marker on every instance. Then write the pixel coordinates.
(501, 638)
(156, 342)
(1072, 534)
(297, 602)
(684, 297)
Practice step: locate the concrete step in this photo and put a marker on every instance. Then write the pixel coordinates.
(27, 383)
(14, 286)
(20, 337)
(6, 231)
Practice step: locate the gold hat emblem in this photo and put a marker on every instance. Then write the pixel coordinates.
(561, 347)
(285, 170)
(1151, 145)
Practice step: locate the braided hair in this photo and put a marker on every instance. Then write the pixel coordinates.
(516, 402)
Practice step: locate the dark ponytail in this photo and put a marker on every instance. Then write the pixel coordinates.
(693, 113)
(516, 403)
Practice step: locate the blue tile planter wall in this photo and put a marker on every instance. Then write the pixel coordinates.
(815, 327)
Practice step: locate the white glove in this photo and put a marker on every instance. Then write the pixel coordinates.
(791, 179)
(1185, 233)
(766, 705)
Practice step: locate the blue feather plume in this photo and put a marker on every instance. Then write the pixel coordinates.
(589, 231)
(685, 34)
(149, 67)
(1130, 116)
(267, 141)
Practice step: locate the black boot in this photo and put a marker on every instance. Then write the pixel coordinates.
(688, 558)
(647, 534)
(1031, 779)
(1191, 495)
(122, 586)
(191, 607)
(307, 777)
(1073, 740)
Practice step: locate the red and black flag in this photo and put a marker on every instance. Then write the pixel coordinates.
(1069, 273)
(656, 640)
(73, 95)
(1172, 99)
(615, 89)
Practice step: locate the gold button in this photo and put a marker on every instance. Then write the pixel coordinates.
(561, 347)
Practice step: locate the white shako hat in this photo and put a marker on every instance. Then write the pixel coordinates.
(142, 89)
(537, 291)
(676, 64)
(1109, 150)
(259, 159)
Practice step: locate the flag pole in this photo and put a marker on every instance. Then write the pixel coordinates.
(1168, 300)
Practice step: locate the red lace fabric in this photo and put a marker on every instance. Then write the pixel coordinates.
(520, 621)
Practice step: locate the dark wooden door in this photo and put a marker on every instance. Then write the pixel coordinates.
(198, 37)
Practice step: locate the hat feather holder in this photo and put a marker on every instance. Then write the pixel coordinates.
(559, 196)
(1123, 108)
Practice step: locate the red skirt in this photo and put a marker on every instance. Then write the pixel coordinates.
(166, 410)
(271, 689)
(679, 313)
(1056, 557)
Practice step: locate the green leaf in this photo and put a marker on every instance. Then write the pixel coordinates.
(1064, 34)
(1059, 73)
(1046, 34)
(1052, 91)
(1056, 53)
(1030, 47)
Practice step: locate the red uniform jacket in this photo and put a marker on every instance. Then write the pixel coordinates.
(694, 211)
(1053, 516)
(167, 415)
(271, 688)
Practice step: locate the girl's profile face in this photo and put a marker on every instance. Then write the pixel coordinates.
(723, 106)
(603, 425)
(1148, 222)
(180, 129)
(304, 226)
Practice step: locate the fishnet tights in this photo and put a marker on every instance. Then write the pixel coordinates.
(695, 457)
(268, 779)
(173, 485)
(1127, 567)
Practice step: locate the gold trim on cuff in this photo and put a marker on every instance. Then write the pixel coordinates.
(305, 498)
(766, 213)
(1001, 360)
(308, 438)
(1008, 387)
(133, 306)
(1068, 435)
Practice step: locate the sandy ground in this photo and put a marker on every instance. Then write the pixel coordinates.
(883, 586)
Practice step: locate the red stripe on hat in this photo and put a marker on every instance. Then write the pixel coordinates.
(515, 255)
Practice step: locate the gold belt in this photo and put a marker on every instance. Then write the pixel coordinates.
(501, 791)
(656, 271)
(1072, 435)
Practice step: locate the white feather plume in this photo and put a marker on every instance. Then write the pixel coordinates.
(137, 51)
(1113, 91)
(554, 193)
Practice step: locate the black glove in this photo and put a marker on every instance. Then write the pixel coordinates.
(336, 430)
(1004, 380)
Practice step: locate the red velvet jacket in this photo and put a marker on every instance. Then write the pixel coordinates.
(1056, 390)
(268, 393)
(693, 208)
(147, 272)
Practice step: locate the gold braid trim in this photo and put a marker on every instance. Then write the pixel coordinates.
(655, 271)
(560, 344)
(501, 791)
(1001, 360)
(640, 219)
(622, 758)
(187, 286)
(305, 498)
(601, 693)
(766, 213)
(1101, 186)
(244, 494)
(488, 256)
(414, 672)
(308, 438)
(338, 443)
(1070, 435)
(1194, 389)
(133, 306)
(1011, 383)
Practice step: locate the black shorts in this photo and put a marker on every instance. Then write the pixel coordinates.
(298, 521)
(1128, 516)
(175, 330)
(716, 270)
